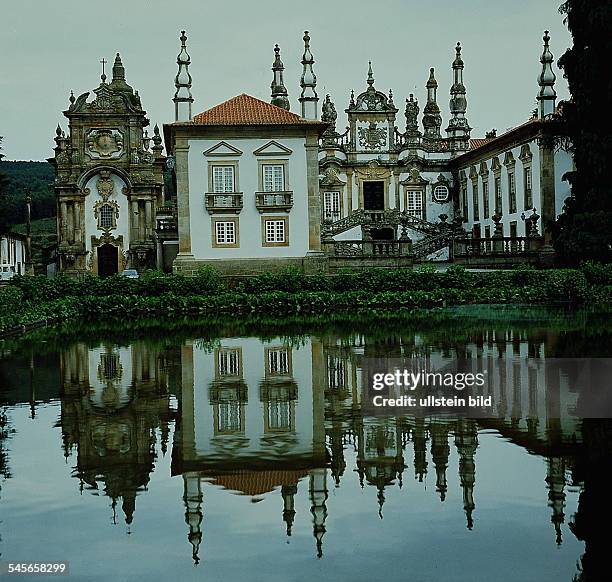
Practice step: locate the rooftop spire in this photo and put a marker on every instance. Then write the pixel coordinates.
(279, 91)
(432, 120)
(182, 96)
(547, 96)
(458, 128)
(370, 74)
(118, 83)
(118, 69)
(308, 99)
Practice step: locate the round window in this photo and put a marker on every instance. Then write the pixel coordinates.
(440, 193)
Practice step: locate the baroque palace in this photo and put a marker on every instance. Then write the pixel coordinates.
(249, 186)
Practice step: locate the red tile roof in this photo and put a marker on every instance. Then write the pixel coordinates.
(246, 110)
(478, 142)
(255, 483)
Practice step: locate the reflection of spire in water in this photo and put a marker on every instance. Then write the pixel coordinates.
(318, 509)
(192, 498)
(419, 440)
(466, 441)
(336, 442)
(440, 451)
(555, 482)
(288, 492)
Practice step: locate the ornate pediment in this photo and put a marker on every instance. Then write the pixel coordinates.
(273, 148)
(330, 177)
(414, 178)
(526, 155)
(373, 171)
(108, 100)
(223, 149)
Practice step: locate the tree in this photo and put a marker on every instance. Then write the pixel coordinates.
(3, 192)
(584, 229)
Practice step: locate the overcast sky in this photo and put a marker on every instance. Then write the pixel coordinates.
(48, 47)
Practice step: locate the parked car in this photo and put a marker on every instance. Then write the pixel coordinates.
(130, 273)
(7, 272)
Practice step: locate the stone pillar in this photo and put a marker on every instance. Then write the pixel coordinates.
(187, 402)
(547, 187)
(314, 203)
(396, 176)
(148, 230)
(318, 395)
(70, 221)
(181, 152)
(78, 225)
(349, 190)
(63, 221)
(134, 220)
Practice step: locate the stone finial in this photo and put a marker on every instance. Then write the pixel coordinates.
(548, 96)
(183, 98)
(279, 91)
(308, 99)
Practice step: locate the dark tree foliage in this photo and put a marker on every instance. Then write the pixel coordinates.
(584, 229)
(21, 179)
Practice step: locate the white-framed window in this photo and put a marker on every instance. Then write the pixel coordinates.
(225, 232)
(331, 205)
(275, 231)
(511, 192)
(110, 367)
(485, 197)
(229, 418)
(498, 194)
(228, 362)
(278, 361)
(414, 203)
(223, 179)
(440, 193)
(464, 202)
(475, 195)
(273, 178)
(528, 192)
(279, 416)
(106, 216)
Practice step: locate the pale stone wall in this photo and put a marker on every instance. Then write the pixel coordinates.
(250, 219)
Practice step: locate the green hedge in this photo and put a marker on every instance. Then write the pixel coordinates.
(561, 284)
(28, 299)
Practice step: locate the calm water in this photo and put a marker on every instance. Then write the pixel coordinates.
(242, 453)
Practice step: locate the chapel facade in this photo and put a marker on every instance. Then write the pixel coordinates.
(108, 181)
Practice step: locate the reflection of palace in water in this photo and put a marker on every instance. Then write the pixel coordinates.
(115, 401)
(285, 416)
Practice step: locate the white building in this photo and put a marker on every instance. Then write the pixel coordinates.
(12, 255)
(247, 180)
(254, 194)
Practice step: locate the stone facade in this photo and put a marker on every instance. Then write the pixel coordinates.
(109, 181)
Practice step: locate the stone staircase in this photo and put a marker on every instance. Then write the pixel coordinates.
(378, 219)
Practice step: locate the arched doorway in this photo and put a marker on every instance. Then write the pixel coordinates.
(108, 260)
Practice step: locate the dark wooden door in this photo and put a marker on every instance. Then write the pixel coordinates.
(374, 195)
(108, 260)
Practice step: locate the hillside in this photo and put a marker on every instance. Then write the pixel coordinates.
(21, 178)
